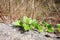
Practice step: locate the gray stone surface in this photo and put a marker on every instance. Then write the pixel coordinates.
(9, 33)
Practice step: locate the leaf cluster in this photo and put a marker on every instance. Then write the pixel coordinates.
(31, 24)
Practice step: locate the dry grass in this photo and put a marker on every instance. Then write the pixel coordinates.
(38, 9)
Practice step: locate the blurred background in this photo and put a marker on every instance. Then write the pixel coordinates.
(48, 10)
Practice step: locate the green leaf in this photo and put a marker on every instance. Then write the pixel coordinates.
(32, 27)
(21, 23)
(26, 19)
(50, 28)
(40, 28)
(58, 27)
(30, 22)
(17, 23)
(33, 22)
(26, 27)
(44, 24)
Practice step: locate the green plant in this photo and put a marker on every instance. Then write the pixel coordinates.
(39, 27)
(26, 23)
(44, 24)
(32, 23)
(17, 22)
(58, 27)
(29, 24)
(26, 20)
(26, 27)
(48, 27)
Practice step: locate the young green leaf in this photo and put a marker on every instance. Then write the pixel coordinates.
(32, 27)
(50, 28)
(40, 29)
(58, 27)
(21, 23)
(17, 23)
(34, 22)
(30, 22)
(26, 27)
(44, 24)
(26, 19)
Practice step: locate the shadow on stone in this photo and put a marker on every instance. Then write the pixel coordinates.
(21, 29)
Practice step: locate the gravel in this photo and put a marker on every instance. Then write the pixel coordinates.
(7, 32)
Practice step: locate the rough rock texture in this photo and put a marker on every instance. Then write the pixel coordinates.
(7, 32)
